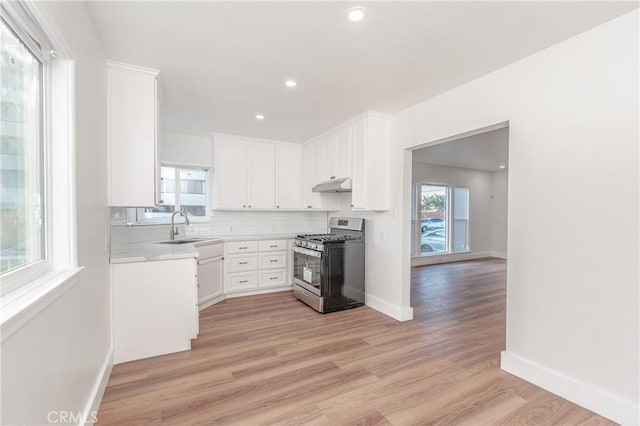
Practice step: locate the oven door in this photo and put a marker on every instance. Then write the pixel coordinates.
(307, 269)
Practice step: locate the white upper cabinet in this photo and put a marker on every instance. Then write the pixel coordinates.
(133, 123)
(328, 170)
(255, 175)
(370, 164)
(261, 181)
(230, 169)
(288, 176)
(336, 154)
(344, 152)
(311, 175)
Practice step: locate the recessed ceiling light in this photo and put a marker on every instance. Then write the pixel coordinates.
(502, 166)
(259, 117)
(290, 83)
(355, 14)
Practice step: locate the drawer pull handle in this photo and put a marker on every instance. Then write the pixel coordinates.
(273, 260)
(274, 246)
(273, 278)
(242, 248)
(243, 281)
(242, 263)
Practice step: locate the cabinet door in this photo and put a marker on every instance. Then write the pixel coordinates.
(329, 159)
(311, 160)
(132, 144)
(261, 189)
(358, 191)
(230, 173)
(343, 152)
(210, 279)
(288, 176)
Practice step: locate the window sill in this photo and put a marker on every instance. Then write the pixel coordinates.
(24, 303)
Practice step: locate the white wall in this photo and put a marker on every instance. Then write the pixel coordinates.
(572, 304)
(185, 149)
(56, 360)
(479, 184)
(499, 207)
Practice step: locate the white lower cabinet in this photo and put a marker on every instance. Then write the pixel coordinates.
(155, 308)
(210, 274)
(256, 265)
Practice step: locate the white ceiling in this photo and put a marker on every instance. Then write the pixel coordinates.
(224, 62)
(485, 151)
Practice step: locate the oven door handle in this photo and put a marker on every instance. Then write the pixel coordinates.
(307, 252)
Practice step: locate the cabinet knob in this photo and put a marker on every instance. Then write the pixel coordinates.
(308, 207)
(277, 207)
(160, 201)
(351, 205)
(244, 206)
(249, 205)
(332, 177)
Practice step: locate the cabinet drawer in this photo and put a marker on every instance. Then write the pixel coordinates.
(234, 247)
(272, 245)
(240, 262)
(272, 260)
(209, 251)
(275, 278)
(242, 282)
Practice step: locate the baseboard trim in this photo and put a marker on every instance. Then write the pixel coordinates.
(210, 301)
(499, 254)
(592, 398)
(262, 291)
(396, 312)
(448, 258)
(90, 415)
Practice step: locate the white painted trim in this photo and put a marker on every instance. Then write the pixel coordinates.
(396, 312)
(131, 67)
(261, 291)
(499, 254)
(28, 301)
(448, 258)
(210, 301)
(93, 403)
(251, 139)
(596, 399)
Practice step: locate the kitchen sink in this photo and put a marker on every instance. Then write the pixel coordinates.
(182, 241)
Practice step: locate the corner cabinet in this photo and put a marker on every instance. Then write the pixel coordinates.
(358, 149)
(133, 133)
(255, 175)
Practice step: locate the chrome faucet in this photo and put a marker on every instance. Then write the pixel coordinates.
(174, 228)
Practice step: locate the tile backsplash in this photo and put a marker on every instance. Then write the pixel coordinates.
(220, 224)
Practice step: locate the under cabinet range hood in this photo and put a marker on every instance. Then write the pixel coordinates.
(334, 185)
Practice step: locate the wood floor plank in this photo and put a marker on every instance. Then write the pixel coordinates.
(271, 360)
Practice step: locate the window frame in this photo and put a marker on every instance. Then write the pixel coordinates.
(18, 277)
(23, 286)
(139, 212)
(449, 214)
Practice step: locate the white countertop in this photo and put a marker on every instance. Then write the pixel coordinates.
(146, 252)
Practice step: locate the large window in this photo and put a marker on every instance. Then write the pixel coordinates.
(22, 233)
(438, 207)
(181, 188)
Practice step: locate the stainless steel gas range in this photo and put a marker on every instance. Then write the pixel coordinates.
(328, 271)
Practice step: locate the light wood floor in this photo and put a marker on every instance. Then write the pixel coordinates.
(270, 359)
